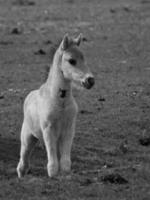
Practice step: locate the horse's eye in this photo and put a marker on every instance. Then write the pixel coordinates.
(72, 61)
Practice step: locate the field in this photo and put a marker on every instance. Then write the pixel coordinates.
(111, 149)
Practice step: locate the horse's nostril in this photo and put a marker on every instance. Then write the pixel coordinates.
(91, 81)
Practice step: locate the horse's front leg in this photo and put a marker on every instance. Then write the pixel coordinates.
(50, 140)
(65, 145)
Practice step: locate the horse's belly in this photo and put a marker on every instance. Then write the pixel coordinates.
(66, 121)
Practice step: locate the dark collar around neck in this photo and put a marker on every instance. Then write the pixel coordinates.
(62, 93)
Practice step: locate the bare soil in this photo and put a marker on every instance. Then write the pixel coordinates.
(111, 150)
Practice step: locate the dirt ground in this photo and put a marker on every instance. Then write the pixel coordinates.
(111, 150)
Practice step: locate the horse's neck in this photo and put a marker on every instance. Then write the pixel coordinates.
(56, 81)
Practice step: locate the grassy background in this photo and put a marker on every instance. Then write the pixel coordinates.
(112, 133)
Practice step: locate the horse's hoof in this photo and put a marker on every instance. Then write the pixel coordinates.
(65, 166)
(21, 169)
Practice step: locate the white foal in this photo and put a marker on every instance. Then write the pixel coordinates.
(50, 112)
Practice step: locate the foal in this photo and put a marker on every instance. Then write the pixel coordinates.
(50, 112)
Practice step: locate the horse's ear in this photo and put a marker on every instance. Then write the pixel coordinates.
(65, 42)
(78, 39)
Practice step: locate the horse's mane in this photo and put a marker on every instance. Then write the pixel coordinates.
(51, 54)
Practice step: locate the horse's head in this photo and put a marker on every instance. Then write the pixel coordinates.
(72, 63)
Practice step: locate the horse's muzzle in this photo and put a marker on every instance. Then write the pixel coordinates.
(88, 83)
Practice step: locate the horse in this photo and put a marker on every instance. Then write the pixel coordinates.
(50, 112)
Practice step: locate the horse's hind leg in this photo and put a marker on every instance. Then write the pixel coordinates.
(28, 141)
